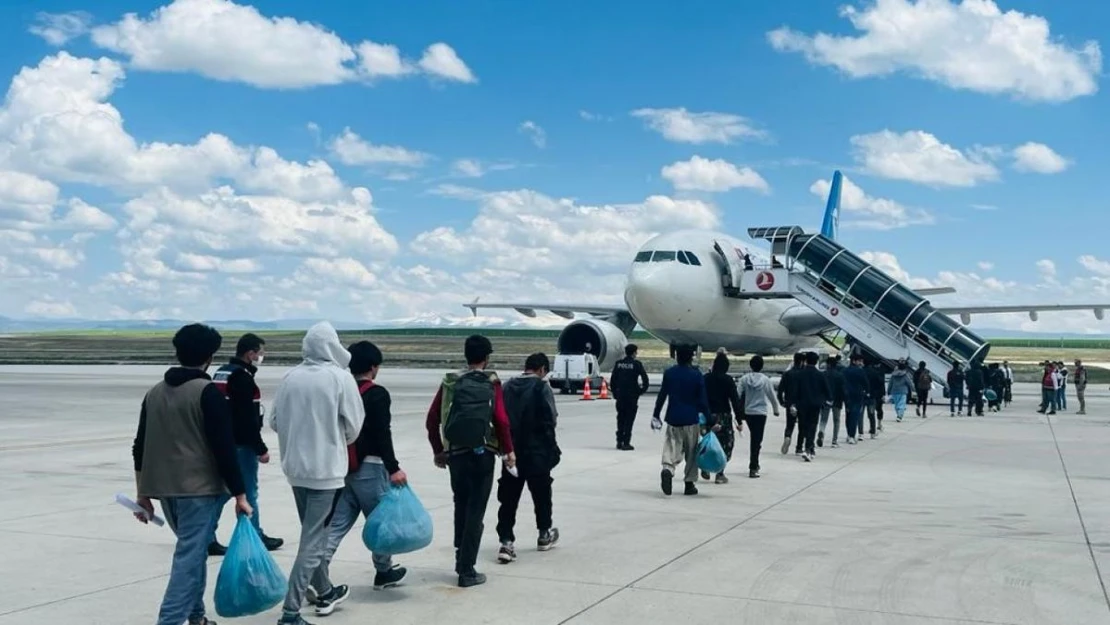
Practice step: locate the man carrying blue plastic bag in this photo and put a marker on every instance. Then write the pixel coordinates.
(184, 454)
(372, 463)
(683, 390)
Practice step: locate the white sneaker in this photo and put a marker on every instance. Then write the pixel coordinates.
(806, 457)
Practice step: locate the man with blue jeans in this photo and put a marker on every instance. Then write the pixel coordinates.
(373, 469)
(184, 453)
(236, 381)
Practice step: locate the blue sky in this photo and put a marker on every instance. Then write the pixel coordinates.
(975, 161)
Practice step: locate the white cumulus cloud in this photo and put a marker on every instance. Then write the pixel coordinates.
(1039, 158)
(702, 174)
(872, 213)
(57, 29)
(970, 44)
(681, 125)
(921, 157)
(231, 42)
(1095, 265)
(351, 149)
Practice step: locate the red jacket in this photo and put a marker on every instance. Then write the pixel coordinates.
(500, 421)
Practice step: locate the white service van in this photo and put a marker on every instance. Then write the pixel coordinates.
(569, 373)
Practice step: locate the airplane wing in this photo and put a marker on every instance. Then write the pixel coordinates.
(965, 312)
(566, 311)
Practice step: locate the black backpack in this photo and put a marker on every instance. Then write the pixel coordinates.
(469, 422)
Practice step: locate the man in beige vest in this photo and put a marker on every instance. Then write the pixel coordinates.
(184, 456)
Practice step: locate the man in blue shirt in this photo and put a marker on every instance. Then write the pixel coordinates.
(684, 386)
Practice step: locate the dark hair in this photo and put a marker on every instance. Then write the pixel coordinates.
(195, 344)
(477, 349)
(921, 365)
(799, 358)
(720, 363)
(857, 357)
(630, 350)
(756, 363)
(812, 358)
(537, 361)
(902, 364)
(249, 343)
(684, 355)
(364, 357)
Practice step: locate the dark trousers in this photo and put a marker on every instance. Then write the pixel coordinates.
(756, 424)
(807, 427)
(854, 418)
(726, 436)
(471, 483)
(627, 406)
(922, 401)
(875, 412)
(975, 400)
(509, 490)
(791, 420)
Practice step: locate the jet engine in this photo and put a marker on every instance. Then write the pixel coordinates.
(606, 341)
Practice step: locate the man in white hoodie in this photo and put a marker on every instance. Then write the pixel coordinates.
(756, 392)
(317, 412)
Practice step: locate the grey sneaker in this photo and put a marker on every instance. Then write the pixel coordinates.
(548, 539)
(507, 553)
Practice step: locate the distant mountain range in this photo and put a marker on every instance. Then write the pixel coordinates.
(428, 320)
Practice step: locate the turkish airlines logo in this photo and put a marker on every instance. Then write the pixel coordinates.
(765, 280)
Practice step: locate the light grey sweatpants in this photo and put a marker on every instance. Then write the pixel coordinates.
(315, 508)
(681, 445)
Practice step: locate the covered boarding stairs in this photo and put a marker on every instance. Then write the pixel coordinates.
(874, 309)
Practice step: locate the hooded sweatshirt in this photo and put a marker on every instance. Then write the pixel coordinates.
(900, 383)
(317, 412)
(757, 391)
(720, 389)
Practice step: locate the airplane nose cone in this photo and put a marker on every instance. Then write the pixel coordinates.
(659, 299)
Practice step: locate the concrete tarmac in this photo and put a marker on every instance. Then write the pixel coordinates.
(1003, 519)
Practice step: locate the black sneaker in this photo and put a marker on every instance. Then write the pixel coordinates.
(507, 553)
(690, 489)
(204, 620)
(216, 550)
(473, 578)
(820, 439)
(294, 620)
(629, 447)
(753, 474)
(705, 475)
(665, 478)
(390, 578)
(272, 544)
(548, 539)
(327, 604)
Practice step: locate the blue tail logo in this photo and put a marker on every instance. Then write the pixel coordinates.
(831, 224)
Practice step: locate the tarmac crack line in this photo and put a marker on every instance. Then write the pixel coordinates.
(741, 523)
(1079, 512)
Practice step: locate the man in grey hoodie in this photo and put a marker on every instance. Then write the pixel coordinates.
(756, 391)
(317, 412)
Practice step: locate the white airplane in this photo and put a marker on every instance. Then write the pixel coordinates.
(674, 292)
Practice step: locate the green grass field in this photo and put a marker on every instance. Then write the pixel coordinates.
(434, 348)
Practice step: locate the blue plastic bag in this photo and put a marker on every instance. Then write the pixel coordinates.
(399, 524)
(249, 582)
(711, 456)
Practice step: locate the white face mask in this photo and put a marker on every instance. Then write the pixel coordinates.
(258, 361)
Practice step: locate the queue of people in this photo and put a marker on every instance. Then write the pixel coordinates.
(198, 444)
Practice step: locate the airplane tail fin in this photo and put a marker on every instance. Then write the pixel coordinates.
(831, 224)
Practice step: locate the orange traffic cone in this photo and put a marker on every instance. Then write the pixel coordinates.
(604, 390)
(586, 394)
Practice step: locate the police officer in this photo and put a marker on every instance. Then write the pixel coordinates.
(628, 382)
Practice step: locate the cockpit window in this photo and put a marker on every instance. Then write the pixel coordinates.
(682, 258)
(693, 259)
(643, 257)
(662, 257)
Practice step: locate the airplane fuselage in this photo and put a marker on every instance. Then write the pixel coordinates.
(679, 299)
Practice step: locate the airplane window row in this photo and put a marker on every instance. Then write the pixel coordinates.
(660, 256)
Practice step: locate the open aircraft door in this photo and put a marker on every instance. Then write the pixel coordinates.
(734, 265)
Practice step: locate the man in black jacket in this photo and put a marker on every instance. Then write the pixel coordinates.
(236, 381)
(976, 381)
(834, 373)
(876, 380)
(532, 419)
(373, 469)
(628, 381)
(788, 399)
(812, 393)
